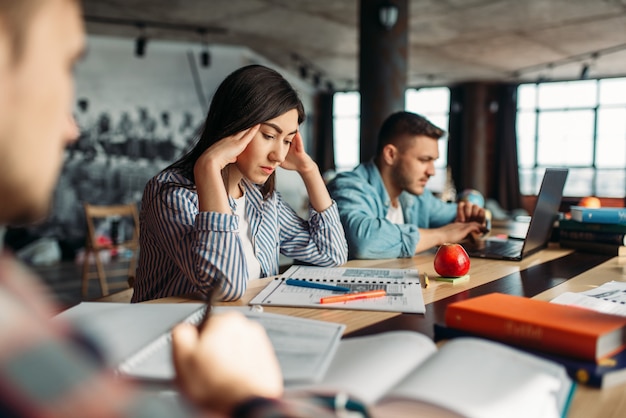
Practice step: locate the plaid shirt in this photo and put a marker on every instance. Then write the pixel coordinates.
(49, 370)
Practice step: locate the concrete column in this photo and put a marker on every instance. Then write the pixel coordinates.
(473, 136)
(383, 69)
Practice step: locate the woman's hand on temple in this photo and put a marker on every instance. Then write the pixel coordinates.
(225, 151)
(297, 159)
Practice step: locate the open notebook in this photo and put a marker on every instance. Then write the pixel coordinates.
(135, 338)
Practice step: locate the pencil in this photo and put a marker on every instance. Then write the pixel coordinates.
(426, 282)
(315, 285)
(205, 317)
(210, 298)
(354, 296)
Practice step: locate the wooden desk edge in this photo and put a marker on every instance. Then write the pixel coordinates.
(587, 402)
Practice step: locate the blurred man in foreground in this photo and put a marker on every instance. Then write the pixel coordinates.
(47, 369)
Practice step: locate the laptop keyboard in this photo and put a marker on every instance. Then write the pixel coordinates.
(510, 248)
(505, 248)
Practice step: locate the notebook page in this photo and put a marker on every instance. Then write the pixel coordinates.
(136, 338)
(368, 367)
(123, 329)
(479, 378)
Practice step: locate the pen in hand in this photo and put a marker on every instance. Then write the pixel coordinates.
(209, 298)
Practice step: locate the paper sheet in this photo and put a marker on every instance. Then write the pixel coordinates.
(609, 298)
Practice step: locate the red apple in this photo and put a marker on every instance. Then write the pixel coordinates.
(590, 202)
(451, 260)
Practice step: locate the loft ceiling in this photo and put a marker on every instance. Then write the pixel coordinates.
(450, 40)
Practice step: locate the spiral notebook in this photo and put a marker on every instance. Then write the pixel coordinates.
(136, 341)
(402, 286)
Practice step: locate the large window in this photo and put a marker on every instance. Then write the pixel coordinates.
(434, 104)
(346, 129)
(577, 124)
(431, 102)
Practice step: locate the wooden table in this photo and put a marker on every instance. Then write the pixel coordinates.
(485, 276)
(543, 275)
(591, 402)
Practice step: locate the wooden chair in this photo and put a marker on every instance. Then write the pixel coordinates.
(94, 247)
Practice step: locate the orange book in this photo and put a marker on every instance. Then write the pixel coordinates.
(549, 327)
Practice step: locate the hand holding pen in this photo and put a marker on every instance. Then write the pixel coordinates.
(230, 358)
(227, 355)
(210, 297)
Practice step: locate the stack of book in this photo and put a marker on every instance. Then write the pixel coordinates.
(595, 230)
(589, 344)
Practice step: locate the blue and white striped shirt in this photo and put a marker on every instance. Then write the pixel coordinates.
(185, 251)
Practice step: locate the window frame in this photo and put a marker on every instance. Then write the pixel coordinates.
(584, 179)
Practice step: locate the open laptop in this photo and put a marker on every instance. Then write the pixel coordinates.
(539, 229)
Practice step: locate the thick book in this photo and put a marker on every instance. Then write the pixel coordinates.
(559, 329)
(599, 215)
(136, 338)
(594, 247)
(615, 238)
(572, 225)
(403, 373)
(607, 373)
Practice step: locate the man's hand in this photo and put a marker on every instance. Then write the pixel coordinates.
(469, 212)
(230, 360)
(454, 232)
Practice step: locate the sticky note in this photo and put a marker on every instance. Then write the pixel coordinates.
(453, 280)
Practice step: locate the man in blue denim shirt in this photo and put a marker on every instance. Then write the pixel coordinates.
(384, 205)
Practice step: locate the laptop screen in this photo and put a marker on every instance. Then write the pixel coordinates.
(546, 209)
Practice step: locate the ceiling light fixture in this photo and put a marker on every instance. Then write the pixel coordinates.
(140, 42)
(304, 71)
(388, 15)
(205, 58)
(163, 26)
(140, 46)
(586, 68)
(317, 79)
(309, 71)
(584, 72)
(587, 60)
(205, 55)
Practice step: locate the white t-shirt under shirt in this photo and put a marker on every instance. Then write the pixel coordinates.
(254, 267)
(395, 215)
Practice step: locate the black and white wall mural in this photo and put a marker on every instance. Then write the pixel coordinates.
(136, 115)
